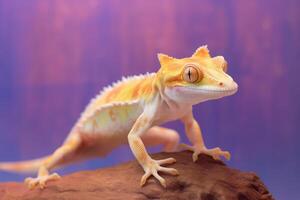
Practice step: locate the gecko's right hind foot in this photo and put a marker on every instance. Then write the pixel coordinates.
(40, 181)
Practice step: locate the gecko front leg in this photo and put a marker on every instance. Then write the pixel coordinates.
(150, 166)
(194, 134)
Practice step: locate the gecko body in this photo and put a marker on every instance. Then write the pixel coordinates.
(132, 111)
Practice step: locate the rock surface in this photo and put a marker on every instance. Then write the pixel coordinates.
(206, 179)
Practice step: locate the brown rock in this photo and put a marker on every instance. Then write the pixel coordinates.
(206, 179)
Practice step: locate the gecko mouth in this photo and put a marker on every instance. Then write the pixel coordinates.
(227, 90)
(210, 90)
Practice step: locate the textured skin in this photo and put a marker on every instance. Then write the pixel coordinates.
(131, 111)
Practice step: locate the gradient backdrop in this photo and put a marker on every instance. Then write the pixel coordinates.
(56, 54)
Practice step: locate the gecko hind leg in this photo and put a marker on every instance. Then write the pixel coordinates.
(51, 162)
(156, 135)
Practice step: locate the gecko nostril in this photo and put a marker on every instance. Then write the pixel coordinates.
(221, 84)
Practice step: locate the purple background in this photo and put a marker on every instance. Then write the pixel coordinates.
(55, 55)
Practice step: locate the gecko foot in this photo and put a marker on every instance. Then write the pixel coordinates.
(216, 153)
(40, 181)
(153, 166)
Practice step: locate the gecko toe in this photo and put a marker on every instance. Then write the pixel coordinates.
(166, 161)
(171, 171)
(40, 181)
(145, 177)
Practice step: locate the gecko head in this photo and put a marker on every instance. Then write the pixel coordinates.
(195, 79)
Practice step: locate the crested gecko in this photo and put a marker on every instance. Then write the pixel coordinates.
(133, 110)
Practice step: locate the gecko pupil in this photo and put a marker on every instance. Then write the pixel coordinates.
(189, 74)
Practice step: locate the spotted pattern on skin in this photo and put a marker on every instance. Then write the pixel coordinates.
(112, 115)
(127, 91)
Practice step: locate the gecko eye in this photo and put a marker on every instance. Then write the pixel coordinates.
(191, 74)
(224, 66)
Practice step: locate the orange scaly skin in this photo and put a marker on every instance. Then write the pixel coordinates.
(132, 110)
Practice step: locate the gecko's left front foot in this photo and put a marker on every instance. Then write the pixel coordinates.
(216, 153)
(40, 181)
(153, 166)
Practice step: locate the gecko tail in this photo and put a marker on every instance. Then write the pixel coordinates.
(29, 166)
